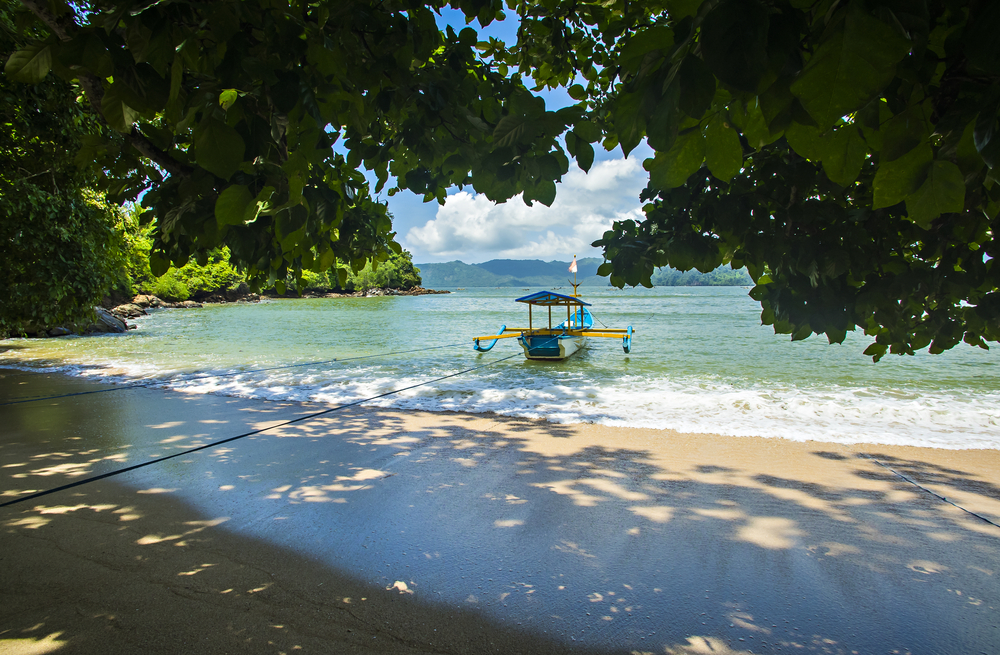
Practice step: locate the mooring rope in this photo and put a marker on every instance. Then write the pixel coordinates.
(241, 436)
(158, 460)
(204, 376)
(353, 404)
(930, 491)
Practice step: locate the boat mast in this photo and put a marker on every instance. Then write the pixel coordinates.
(572, 268)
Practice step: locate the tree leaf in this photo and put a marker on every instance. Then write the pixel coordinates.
(671, 169)
(628, 120)
(31, 64)
(662, 121)
(513, 129)
(734, 42)
(806, 141)
(577, 92)
(95, 57)
(697, 87)
(158, 264)
(588, 131)
(227, 98)
(899, 178)
(571, 142)
(723, 153)
(652, 38)
(584, 155)
(218, 148)
(755, 128)
(545, 192)
(118, 114)
(776, 105)
(980, 39)
(680, 8)
(850, 67)
(943, 191)
(234, 206)
(966, 156)
(904, 132)
(986, 135)
(876, 351)
(89, 51)
(845, 152)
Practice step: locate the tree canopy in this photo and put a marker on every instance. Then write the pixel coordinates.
(842, 150)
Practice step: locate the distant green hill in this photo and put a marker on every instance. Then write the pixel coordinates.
(510, 273)
(531, 273)
(535, 268)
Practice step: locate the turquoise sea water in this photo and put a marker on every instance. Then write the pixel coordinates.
(700, 362)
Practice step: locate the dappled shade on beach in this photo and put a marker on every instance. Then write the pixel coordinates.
(536, 536)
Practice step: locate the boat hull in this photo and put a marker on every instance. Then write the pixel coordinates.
(551, 348)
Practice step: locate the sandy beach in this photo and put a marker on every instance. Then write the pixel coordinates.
(381, 531)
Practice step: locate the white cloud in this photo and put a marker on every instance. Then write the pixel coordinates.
(472, 228)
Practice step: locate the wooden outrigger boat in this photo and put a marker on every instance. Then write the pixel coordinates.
(561, 341)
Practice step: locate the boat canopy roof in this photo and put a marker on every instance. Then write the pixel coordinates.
(550, 299)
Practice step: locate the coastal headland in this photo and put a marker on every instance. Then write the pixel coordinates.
(370, 530)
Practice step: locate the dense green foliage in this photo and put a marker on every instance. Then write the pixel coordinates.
(59, 255)
(843, 151)
(396, 272)
(218, 275)
(60, 247)
(193, 280)
(177, 284)
(239, 104)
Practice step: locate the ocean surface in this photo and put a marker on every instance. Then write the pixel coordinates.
(700, 362)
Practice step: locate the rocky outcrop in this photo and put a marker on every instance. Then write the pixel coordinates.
(128, 310)
(144, 301)
(231, 295)
(361, 293)
(106, 322)
(415, 291)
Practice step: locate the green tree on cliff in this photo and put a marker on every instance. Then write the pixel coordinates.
(397, 272)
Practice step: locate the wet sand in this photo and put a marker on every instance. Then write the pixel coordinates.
(380, 531)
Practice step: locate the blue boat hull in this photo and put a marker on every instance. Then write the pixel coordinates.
(551, 348)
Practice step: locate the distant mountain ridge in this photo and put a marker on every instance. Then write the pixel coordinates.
(538, 273)
(510, 273)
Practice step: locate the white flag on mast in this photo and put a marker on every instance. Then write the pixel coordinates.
(572, 267)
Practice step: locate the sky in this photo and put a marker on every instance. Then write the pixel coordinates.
(472, 229)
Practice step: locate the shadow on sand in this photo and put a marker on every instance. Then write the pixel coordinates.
(385, 531)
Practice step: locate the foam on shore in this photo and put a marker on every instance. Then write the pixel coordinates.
(949, 419)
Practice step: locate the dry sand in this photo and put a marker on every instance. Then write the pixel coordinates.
(378, 531)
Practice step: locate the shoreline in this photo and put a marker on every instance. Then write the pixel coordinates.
(475, 533)
(122, 378)
(113, 315)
